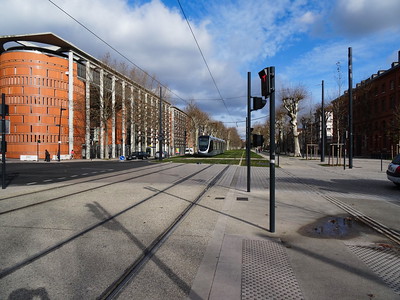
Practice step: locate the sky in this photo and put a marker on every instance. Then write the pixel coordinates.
(305, 40)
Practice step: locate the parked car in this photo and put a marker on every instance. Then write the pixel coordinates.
(142, 155)
(189, 151)
(393, 171)
(164, 154)
(131, 156)
(138, 155)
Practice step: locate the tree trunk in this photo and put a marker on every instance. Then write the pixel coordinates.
(297, 152)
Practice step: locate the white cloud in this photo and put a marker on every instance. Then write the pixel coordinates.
(235, 36)
(360, 17)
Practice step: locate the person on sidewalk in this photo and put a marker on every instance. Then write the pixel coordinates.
(46, 156)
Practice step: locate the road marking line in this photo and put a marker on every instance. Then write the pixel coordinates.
(30, 183)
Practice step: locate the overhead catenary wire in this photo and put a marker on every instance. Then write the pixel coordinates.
(204, 59)
(117, 51)
(141, 69)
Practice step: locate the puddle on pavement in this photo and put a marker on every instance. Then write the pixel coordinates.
(340, 227)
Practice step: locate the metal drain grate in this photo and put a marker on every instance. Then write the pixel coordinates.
(266, 272)
(384, 260)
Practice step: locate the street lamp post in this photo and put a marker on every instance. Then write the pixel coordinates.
(59, 133)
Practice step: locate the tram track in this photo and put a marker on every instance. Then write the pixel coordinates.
(149, 250)
(64, 185)
(3, 212)
(117, 287)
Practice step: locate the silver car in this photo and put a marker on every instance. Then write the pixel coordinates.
(393, 171)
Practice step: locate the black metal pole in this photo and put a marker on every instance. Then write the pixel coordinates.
(248, 130)
(272, 152)
(160, 137)
(323, 125)
(350, 109)
(3, 141)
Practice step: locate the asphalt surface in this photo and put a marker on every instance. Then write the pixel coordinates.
(222, 250)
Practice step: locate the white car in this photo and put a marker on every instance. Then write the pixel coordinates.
(164, 154)
(393, 171)
(189, 151)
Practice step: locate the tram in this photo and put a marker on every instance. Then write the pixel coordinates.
(210, 145)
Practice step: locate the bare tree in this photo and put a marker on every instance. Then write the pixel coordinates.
(291, 98)
(233, 139)
(200, 119)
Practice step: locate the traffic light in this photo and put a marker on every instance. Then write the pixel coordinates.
(265, 76)
(258, 103)
(258, 140)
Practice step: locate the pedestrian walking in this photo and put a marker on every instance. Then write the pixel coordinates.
(46, 156)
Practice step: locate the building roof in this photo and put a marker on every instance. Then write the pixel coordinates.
(55, 43)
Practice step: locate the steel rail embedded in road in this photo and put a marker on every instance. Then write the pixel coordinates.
(81, 191)
(71, 184)
(117, 287)
(7, 271)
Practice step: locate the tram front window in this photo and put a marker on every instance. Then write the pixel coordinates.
(203, 143)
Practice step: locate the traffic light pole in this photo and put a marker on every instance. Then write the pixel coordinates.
(248, 129)
(272, 152)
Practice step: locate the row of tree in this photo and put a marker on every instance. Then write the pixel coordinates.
(203, 124)
(199, 122)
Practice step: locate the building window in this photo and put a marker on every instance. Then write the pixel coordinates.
(392, 102)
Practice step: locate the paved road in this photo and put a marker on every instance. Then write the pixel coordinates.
(34, 173)
(203, 257)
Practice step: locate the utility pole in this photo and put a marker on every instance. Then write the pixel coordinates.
(160, 137)
(323, 125)
(350, 109)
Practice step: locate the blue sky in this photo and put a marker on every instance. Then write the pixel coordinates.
(303, 39)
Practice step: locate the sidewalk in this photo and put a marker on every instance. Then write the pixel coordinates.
(317, 252)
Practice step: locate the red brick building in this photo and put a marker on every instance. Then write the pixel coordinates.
(376, 114)
(60, 97)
